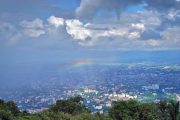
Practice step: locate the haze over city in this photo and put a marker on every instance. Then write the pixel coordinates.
(56, 49)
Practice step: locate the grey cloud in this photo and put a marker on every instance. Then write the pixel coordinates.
(151, 34)
(5, 27)
(88, 8)
(6, 30)
(163, 4)
(168, 20)
(167, 13)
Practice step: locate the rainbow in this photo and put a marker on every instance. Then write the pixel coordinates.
(78, 63)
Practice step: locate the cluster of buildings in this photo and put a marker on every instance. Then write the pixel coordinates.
(98, 100)
(143, 83)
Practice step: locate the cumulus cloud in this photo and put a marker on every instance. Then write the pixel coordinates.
(128, 30)
(153, 43)
(172, 34)
(154, 26)
(37, 23)
(133, 31)
(33, 32)
(91, 35)
(77, 30)
(139, 26)
(33, 28)
(56, 21)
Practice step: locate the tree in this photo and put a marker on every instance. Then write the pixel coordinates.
(124, 110)
(147, 111)
(163, 110)
(71, 106)
(11, 106)
(133, 110)
(6, 115)
(173, 110)
(77, 99)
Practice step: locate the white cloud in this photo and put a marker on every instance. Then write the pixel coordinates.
(56, 21)
(127, 33)
(77, 30)
(92, 34)
(171, 36)
(114, 32)
(134, 35)
(139, 26)
(37, 23)
(153, 43)
(33, 28)
(34, 32)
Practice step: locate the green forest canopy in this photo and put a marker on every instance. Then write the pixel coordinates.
(73, 109)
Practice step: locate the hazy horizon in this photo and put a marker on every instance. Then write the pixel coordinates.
(42, 39)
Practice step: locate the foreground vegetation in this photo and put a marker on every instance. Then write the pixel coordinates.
(72, 109)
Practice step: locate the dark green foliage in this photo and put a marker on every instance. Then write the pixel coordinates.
(71, 106)
(148, 111)
(9, 106)
(6, 115)
(163, 110)
(76, 99)
(173, 110)
(122, 110)
(8, 110)
(168, 110)
(133, 110)
(102, 116)
(72, 109)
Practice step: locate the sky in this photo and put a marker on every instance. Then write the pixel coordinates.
(62, 30)
(37, 36)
